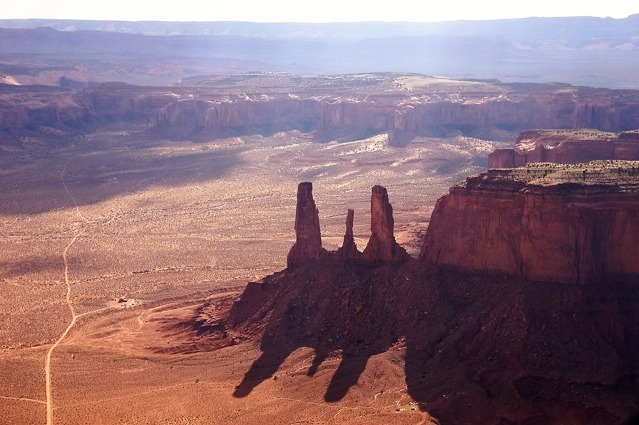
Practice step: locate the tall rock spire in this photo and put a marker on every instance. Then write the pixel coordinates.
(382, 245)
(348, 250)
(308, 240)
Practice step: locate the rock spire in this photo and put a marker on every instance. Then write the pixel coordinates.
(308, 241)
(382, 245)
(348, 250)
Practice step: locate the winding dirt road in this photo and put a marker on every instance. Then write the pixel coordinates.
(74, 316)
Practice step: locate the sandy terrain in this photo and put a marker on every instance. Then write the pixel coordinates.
(110, 242)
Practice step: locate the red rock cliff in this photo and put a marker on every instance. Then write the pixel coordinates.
(31, 107)
(566, 147)
(542, 222)
(354, 108)
(335, 114)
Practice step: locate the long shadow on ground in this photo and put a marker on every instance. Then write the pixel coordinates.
(479, 350)
(95, 174)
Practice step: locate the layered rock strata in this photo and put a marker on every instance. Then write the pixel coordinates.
(542, 222)
(331, 108)
(567, 147)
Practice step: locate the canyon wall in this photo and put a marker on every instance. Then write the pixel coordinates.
(567, 147)
(32, 107)
(328, 107)
(124, 103)
(542, 222)
(237, 115)
(404, 119)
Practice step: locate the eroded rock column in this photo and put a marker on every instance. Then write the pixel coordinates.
(308, 240)
(348, 250)
(382, 245)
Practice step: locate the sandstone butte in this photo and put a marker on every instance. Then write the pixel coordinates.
(567, 147)
(542, 222)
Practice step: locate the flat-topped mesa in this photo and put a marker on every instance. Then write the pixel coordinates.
(382, 245)
(567, 147)
(308, 240)
(542, 222)
(348, 250)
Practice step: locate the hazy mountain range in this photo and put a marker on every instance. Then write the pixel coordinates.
(582, 50)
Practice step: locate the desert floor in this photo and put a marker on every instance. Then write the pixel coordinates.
(111, 242)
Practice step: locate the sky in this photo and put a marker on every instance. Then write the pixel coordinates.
(316, 11)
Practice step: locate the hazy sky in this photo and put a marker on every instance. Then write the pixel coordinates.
(303, 11)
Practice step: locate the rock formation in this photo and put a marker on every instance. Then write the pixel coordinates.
(308, 240)
(32, 107)
(126, 104)
(336, 116)
(331, 108)
(481, 348)
(382, 245)
(567, 147)
(348, 251)
(542, 222)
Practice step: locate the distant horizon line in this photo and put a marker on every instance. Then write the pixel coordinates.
(633, 15)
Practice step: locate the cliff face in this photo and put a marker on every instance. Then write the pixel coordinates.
(567, 147)
(335, 114)
(123, 103)
(236, 115)
(31, 107)
(542, 222)
(338, 107)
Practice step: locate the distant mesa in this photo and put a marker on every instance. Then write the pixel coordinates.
(426, 107)
(344, 107)
(567, 147)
